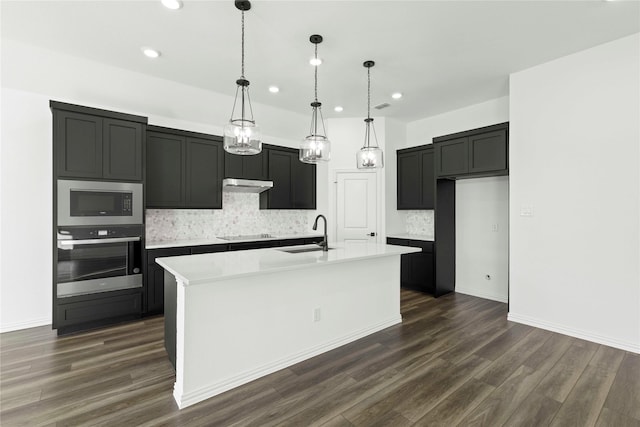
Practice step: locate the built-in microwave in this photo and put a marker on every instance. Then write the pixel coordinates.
(99, 203)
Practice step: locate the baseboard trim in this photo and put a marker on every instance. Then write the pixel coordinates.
(16, 326)
(576, 333)
(485, 295)
(187, 399)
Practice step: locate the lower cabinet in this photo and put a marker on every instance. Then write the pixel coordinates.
(154, 276)
(417, 270)
(90, 311)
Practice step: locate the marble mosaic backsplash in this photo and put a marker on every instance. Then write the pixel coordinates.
(420, 222)
(241, 215)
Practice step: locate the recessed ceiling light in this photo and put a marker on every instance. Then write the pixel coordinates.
(396, 95)
(315, 61)
(150, 53)
(274, 89)
(338, 109)
(172, 4)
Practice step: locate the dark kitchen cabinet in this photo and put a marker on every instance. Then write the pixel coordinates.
(294, 182)
(97, 144)
(474, 153)
(416, 178)
(417, 270)
(184, 169)
(246, 167)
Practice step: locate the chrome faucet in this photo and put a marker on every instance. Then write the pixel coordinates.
(325, 242)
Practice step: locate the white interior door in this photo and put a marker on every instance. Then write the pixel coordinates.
(356, 206)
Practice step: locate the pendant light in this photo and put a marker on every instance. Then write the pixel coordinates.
(369, 156)
(241, 135)
(315, 147)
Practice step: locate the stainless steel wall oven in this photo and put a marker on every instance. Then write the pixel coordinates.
(98, 259)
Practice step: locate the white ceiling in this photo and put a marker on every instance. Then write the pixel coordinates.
(442, 55)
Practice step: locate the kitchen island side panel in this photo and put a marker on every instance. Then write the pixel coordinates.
(233, 331)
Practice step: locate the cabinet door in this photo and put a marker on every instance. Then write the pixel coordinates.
(254, 167)
(304, 185)
(204, 171)
(452, 157)
(488, 152)
(408, 180)
(233, 165)
(428, 179)
(122, 150)
(280, 168)
(78, 142)
(165, 183)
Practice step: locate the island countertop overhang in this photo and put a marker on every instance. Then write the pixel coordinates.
(207, 268)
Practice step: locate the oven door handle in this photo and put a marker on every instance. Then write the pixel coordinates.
(99, 241)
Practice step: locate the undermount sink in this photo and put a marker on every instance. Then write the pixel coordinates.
(301, 250)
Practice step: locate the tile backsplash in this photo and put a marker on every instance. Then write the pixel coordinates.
(419, 222)
(241, 215)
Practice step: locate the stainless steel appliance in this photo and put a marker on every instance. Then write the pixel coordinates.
(94, 259)
(235, 185)
(99, 203)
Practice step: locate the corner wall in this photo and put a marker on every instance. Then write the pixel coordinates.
(575, 195)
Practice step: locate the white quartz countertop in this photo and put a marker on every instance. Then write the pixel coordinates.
(206, 268)
(423, 237)
(161, 244)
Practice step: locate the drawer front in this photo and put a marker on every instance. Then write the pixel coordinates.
(397, 242)
(98, 309)
(424, 245)
(208, 249)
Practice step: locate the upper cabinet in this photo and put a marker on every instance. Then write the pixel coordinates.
(474, 153)
(246, 167)
(416, 178)
(183, 170)
(294, 182)
(97, 144)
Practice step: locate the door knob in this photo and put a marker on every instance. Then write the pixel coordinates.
(372, 234)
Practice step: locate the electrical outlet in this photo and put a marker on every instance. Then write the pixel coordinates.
(494, 228)
(316, 314)
(488, 277)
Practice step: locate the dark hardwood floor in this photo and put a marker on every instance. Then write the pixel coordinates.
(454, 360)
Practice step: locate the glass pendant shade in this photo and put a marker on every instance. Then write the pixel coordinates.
(315, 147)
(370, 157)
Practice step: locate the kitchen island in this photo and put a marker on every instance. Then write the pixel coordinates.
(233, 317)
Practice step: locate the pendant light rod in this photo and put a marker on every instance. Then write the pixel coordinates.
(368, 120)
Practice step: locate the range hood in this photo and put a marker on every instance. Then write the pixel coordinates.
(234, 185)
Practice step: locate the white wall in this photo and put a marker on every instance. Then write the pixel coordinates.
(480, 203)
(30, 78)
(575, 162)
